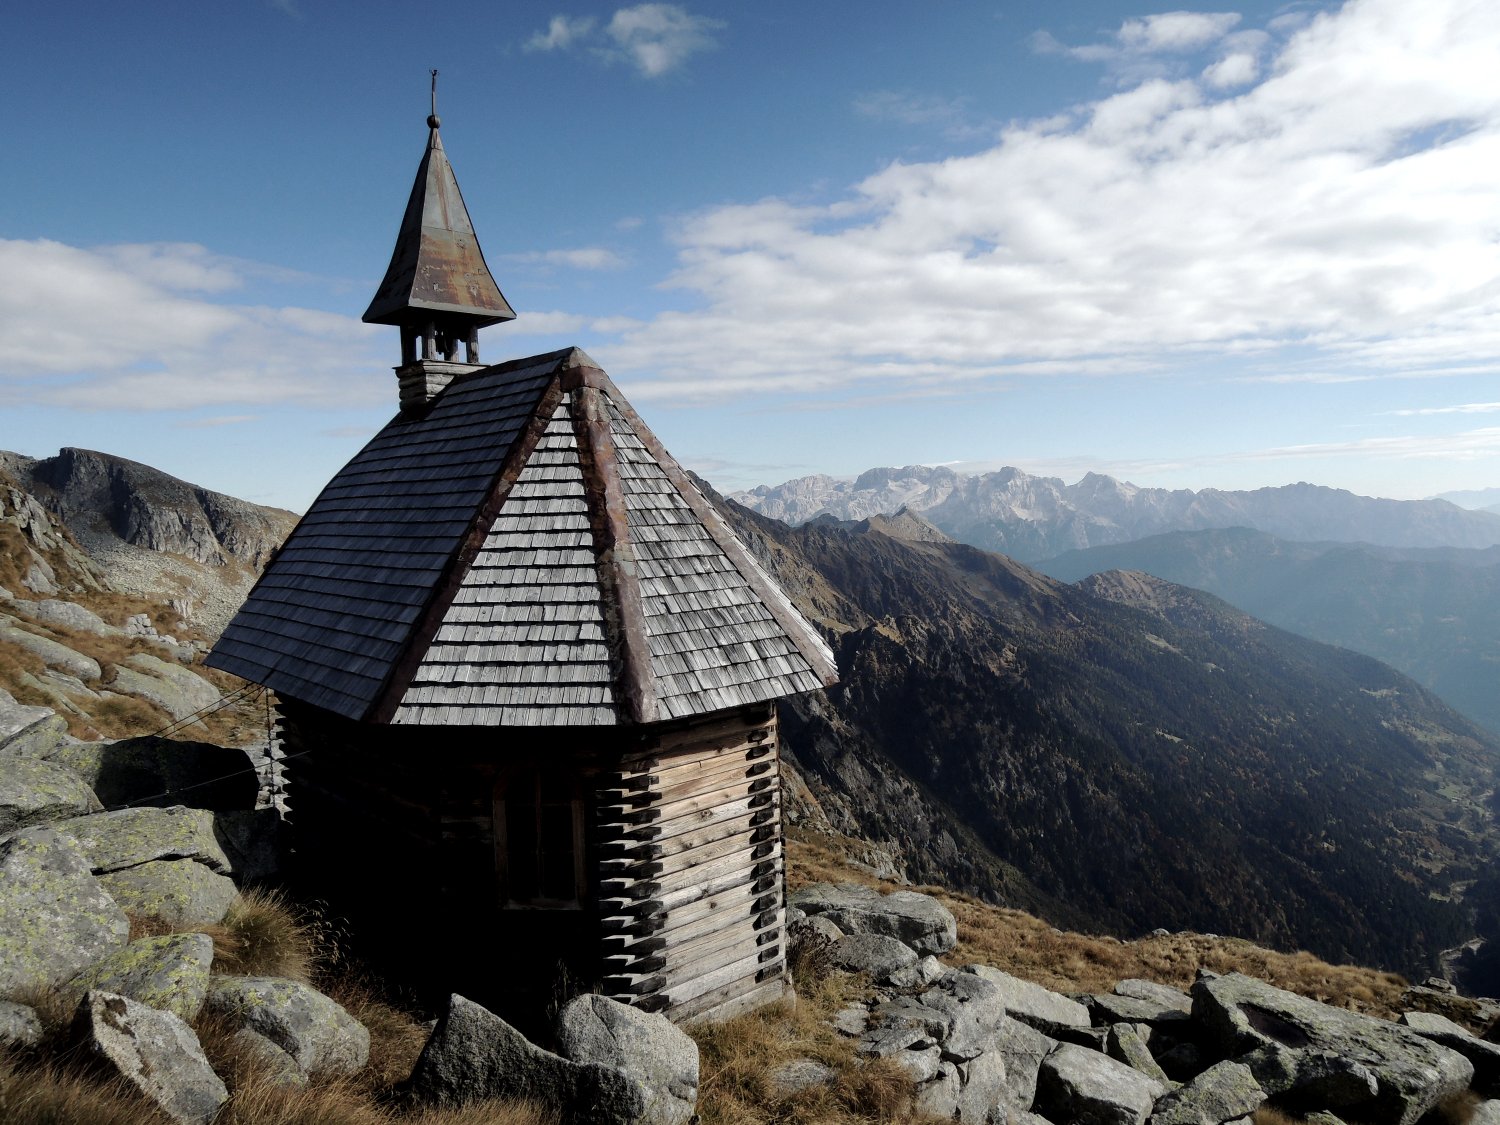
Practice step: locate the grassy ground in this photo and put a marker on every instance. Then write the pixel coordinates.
(739, 1058)
(1027, 947)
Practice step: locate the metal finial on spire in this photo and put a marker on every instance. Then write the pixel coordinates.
(433, 121)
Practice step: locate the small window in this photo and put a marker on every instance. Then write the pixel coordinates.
(539, 838)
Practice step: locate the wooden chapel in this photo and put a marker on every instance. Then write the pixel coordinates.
(526, 673)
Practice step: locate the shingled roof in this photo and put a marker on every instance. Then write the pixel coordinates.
(524, 553)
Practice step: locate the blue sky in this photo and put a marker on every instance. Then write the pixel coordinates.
(1226, 247)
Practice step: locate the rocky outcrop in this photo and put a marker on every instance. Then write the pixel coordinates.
(146, 508)
(918, 921)
(168, 972)
(660, 1059)
(130, 837)
(983, 1046)
(474, 1055)
(155, 1052)
(314, 1030)
(1089, 1088)
(1412, 1074)
(33, 791)
(55, 916)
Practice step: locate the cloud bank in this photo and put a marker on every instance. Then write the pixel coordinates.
(1343, 204)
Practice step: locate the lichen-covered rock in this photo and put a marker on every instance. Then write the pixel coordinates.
(55, 917)
(51, 652)
(1223, 1091)
(1167, 997)
(974, 1009)
(181, 892)
(1126, 1045)
(167, 684)
(70, 615)
(917, 975)
(1032, 1004)
(473, 1055)
(1241, 1013)
(1485, 1056)
(155, 1052)
(1084, 1087)
(33, 791)
(875, 954)
(983, 1096)
(917, 920)
(163, 771)
(647, 1048)
(168, 972)
(271, 1064)
(27, 730)
(130, 837)
(315, 1030)
(19, 1025)
(1024, 1049)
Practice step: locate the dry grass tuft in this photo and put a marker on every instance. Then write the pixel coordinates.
(739, 1056)
(263, 935)
(341, 1102)
(33, 1093)
(396, 1036)
(1267, 1116)
(1455, 1109)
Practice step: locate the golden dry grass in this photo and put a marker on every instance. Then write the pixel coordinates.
(1027, 947)
(739, 1057)
(34, 1093)
(263, 935)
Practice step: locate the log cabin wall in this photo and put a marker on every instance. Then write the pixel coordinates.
(692, 869)
(681, 893)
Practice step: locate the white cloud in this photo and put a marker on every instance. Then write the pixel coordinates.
(659, 37)
(561, 33)
(654, 38)
(1465, 408)
(1164, 33)
(128, 327)
(950, 116)
(583, 258)
(1343, 205)
(1238, 69)
(1174, 31)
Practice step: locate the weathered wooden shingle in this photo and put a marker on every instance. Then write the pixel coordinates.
(467, 568)
(547, 668)
(335, 609)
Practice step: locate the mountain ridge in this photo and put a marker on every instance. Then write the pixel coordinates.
(1031, 517)
(1432, 613)
(1166, 761)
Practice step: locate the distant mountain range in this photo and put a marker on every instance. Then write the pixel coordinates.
(1487, 499)
(1031, 518)
(1434, 614)
(1128, 753)
(1118, 755)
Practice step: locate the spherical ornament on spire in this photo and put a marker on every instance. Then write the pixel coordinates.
(434, 122)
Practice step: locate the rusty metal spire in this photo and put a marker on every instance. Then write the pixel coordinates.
(437, 286)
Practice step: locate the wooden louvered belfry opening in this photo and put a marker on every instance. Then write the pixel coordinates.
(691, 871)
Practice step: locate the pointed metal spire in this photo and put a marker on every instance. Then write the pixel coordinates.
(437, 274)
